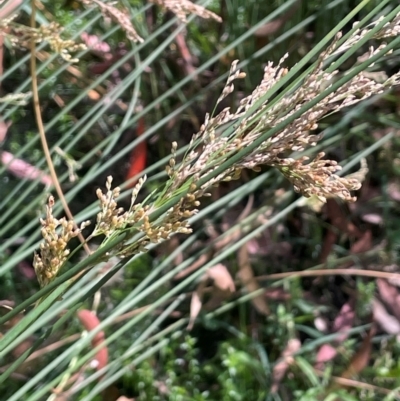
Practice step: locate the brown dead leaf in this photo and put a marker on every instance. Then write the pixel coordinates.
(5, 307)
(387, 322)
(187, 58)
(277, 294)
(273, 26)
(248, 280)
(90, 321)
(342, 225)
(22, 169)
(26, 269)
(344, 321)
(394, 191)
(390, 296)
(222, 278)
(9, 8)
(196, 302)
(194, 266)
(96, 45)
(3, 129)
(339, 220)
(363, 244)
(223, 287)
(325, 354)
(264, 245)
(372, 218)
(358, 362)
(333, 212)
(361, 357)
(327, 246)
(282, 366)
(6, 304)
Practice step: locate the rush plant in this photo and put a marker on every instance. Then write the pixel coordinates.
(275, 126)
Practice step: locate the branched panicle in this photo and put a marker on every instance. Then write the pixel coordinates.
(22, 36)
(208, 149)
(18, 99)
(53, 250)
(234, 73)
(317, 177)
(111, 219)
(122, 18)
(183, 8)
(390, 29)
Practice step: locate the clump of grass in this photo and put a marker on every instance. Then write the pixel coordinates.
(267, 128)
(246, 145)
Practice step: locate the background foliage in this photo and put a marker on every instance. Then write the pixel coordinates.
(269, 327)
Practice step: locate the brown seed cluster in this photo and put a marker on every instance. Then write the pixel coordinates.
(121, 17)
(183, 8)
(54, 251)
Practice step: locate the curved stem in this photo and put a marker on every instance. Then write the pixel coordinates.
(39, 122)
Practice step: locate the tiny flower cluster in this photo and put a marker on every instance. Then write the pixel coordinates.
(54, 251)
(21, 36)
(111, 218)
(318, 178)
(18, 99)
(390, 29)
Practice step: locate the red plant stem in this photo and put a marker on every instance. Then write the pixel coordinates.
(90, 321)
(137, 161)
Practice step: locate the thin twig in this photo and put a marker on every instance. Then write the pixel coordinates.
(45, 350)
(357, 384)
(331, 272)
(39, 121)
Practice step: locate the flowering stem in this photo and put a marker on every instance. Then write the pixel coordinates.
(39, 121)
